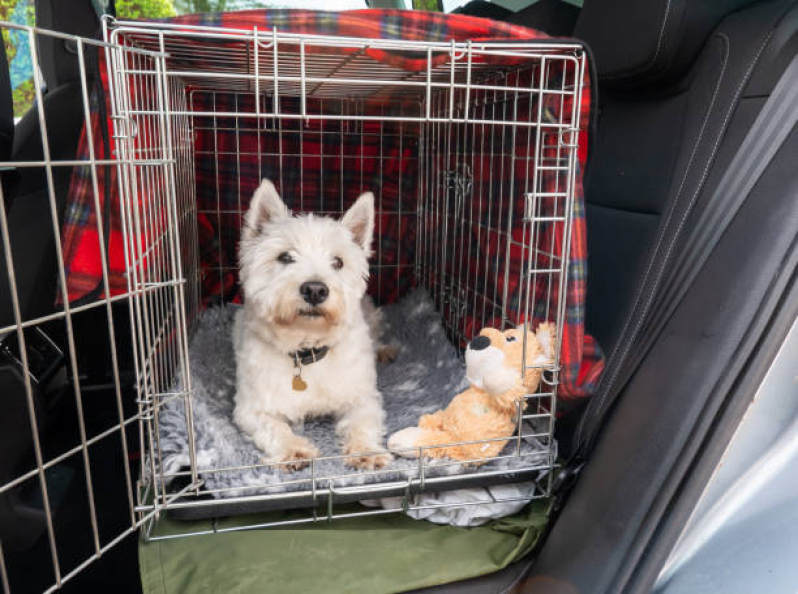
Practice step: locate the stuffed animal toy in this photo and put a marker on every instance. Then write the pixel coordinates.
(488, 408)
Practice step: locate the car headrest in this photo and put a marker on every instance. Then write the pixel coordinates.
(58, 57)
(6, 108)
(640, 43)
(554, 17)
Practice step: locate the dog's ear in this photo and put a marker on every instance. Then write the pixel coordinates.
(266, 206)
(359, 219)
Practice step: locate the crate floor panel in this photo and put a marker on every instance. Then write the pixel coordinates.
(425, 377)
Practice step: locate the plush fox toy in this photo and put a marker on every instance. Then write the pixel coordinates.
(487, 409)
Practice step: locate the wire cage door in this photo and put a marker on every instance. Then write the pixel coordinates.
(159, 232)
(79, 394)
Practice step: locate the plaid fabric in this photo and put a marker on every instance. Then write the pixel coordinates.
(308, 159)
(500, 177)
(80, 232)
(318, 166)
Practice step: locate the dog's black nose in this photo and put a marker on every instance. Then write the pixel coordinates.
(479, 343)
(314, 292)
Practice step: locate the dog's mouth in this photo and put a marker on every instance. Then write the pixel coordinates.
(309, 316)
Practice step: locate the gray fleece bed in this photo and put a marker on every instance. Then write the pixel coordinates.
(425, 376)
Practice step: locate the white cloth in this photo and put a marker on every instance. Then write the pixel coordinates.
(465, 507)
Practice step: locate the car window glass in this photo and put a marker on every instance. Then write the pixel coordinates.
(18, 53)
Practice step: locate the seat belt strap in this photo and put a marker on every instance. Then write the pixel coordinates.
(769, 131)
(771, 128)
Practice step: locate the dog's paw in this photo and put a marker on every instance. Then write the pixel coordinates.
(369, 462)
(296, 457)
(387, 353)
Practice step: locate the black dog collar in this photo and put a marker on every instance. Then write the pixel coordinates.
(308, 356)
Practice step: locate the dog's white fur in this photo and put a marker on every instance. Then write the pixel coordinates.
(276, 321)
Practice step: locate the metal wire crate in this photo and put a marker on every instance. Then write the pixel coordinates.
(472, 155)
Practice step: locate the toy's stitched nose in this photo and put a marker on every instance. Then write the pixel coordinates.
(314, 292)
(479, 343)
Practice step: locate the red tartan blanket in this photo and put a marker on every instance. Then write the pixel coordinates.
(219, 196)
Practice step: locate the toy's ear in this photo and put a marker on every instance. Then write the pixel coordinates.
(539, 351)
(547, 337)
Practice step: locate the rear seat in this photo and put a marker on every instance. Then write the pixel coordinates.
(680, 84)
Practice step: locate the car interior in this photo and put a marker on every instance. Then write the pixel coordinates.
(691, 289)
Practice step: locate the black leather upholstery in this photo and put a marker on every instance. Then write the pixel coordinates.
(653, 42)
(483, 9)
(6, 126)
(662, 146)
(649, 142)
(670, 121)
(32, 236)
(58, 57)
(555, 17)
(33, 245)
(29, 214)
(6, 108)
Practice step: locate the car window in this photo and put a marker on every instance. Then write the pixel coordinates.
(145, 9)
(18, 54)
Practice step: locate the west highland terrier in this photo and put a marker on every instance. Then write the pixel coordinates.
(303, 340)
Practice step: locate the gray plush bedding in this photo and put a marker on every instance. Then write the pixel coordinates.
(425, 376)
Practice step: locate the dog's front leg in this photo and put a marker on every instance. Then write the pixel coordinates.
(275, 438)
(362, 429)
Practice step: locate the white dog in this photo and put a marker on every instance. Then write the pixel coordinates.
(302, 340)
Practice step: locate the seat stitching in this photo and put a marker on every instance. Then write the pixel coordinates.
(689, 208)
(653, 59)
(661, 34)
(661, 235)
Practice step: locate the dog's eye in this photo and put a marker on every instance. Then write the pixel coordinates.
(338, 263)
(511, 338)
(285, 258)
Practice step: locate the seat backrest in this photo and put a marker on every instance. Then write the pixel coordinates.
(660, 99)
(680, 85)
(6, 107)
(555, 17)
(29, 210)
(57, 56)
(59, 66)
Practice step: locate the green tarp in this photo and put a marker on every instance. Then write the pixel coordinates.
(370, 554)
